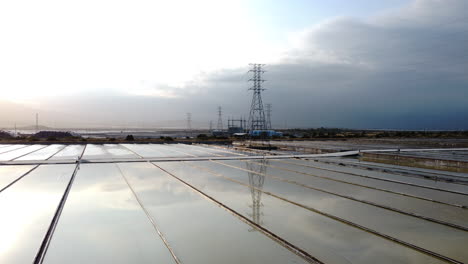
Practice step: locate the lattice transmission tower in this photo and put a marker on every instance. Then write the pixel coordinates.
(220, 119)
(268, 116)
(257, 114)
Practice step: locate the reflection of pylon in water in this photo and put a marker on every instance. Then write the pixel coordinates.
(256, 181)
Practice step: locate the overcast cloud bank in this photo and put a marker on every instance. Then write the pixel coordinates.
(406, 69)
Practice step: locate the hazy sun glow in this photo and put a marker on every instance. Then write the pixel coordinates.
(61, 47)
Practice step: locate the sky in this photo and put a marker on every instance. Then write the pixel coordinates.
(394, 64)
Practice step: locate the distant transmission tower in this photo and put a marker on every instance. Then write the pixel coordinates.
(189, 123)
(268, 116)
(220, 119)
(257, 114)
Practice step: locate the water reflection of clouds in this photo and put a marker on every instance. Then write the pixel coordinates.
(406, 228)
(111, 187)
(400, 226)
(93, 197)
(171, 208)
(339, 238)
(148, 150)
(101, 185)
(27, 208)
(237, 197)
(42, 154)
(22, 220)
(117, 150)
(153, 185)
(104, 226)
(19, 152)
(10, 173)
(92, 182)
(437, 211)
(160, 191)
(69, 152)
(107, 151)
(168, 217)
(375, 183)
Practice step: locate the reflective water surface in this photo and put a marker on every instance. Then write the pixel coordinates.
(152, 150)
(177, 150)
(438, 211)
(10, 173)
(207, 152)
(107, 151)
(27, 208)
(171, 151)
(7, 148)
(148, 150)
(69, 152)
(446, 240)
(229, 149)
(44, 153)
(11, 155)
(326, 239)
(199, 152)
(115, 210)
(406, 189)
(394, 167)
(383, 175)
(103, 223)
(197, 229)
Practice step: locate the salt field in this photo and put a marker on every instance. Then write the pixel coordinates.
(176, 203)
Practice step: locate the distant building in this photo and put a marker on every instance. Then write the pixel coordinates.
(234, 130)
(219, 133)
(236, 126)
(268, 133)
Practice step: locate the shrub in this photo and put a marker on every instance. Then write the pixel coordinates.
(56, 134)
(4, 134)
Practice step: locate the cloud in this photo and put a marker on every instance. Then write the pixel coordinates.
(403, 69)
